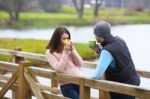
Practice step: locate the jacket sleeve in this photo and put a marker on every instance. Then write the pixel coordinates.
(105, 60)
(58, 65)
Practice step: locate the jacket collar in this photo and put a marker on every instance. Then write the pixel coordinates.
(108, 40)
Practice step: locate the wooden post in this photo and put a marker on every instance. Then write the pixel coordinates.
(32, 82)
(17, 60)
(54, 81)
(84, 90)
(2, 71)
(9, 84)
(103, 95)
(24, 91)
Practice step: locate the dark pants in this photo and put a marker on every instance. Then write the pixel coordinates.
(133, 81)
(70, 91)
(120, 96)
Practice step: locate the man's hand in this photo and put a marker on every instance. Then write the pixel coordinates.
(96, 48)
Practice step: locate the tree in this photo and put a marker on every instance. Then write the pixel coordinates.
(79, 6)
(13, 8)
(98, 3)
(51, 5)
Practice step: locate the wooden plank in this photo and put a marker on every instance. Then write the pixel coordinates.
(49, 95)
(34, 87)
(93, 65)
(2, 77)
(17, 60)
(6, 98)
(104, 94)
(54, 81)
(24, 91)
(119, 88)
(9, 84)
(53, 90)
(5, 51)
(2, 71)
(13, 87)
(90, 65)
(47, 73)
(106, 85)
(23, 54)
(32, 56)
(8, 66)
(84, 90)
(68, 77)
(145, 74)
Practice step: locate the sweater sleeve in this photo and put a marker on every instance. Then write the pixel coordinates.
(76, 58)
(105, 60)
(58, 65)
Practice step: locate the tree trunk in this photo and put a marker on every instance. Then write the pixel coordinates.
(79, 7)
(11, 15)
(82, 9)
(96, 8)
(16, 16)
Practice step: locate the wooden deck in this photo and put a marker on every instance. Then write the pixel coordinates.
(24, 84)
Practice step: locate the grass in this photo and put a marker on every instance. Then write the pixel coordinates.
(38, 46)
(68, 17)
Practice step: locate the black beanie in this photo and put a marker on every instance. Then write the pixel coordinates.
(102, 28)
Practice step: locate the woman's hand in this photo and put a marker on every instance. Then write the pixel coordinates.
(67, 48)
(72, 46)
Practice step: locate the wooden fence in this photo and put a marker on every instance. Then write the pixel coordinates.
(24, 84)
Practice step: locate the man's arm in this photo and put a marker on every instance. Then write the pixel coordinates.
(105, 60)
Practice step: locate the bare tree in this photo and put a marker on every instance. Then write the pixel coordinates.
(79, 6)
(51, 5)
(98, 3)
(12, 7)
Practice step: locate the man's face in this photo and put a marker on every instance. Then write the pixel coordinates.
(99, 39)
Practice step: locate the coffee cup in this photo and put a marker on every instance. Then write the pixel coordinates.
(92, 43)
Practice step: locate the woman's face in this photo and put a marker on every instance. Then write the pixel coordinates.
(64, 37)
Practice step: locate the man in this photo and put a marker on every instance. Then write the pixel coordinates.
(115, 59)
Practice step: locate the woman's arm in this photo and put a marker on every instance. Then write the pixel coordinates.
(105, 60)
(76, 57)
(58, 65)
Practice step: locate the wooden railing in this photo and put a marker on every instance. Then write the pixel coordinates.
(27, 84)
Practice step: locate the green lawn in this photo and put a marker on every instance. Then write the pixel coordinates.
(68, 17)
(38, 46)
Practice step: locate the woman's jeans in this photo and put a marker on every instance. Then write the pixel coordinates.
(70, 91)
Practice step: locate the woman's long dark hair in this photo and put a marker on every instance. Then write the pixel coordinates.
(55, 44)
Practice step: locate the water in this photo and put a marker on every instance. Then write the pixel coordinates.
(137, 38)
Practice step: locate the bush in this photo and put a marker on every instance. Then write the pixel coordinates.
(139, 7)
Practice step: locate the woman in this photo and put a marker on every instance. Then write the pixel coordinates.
(64, 58)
